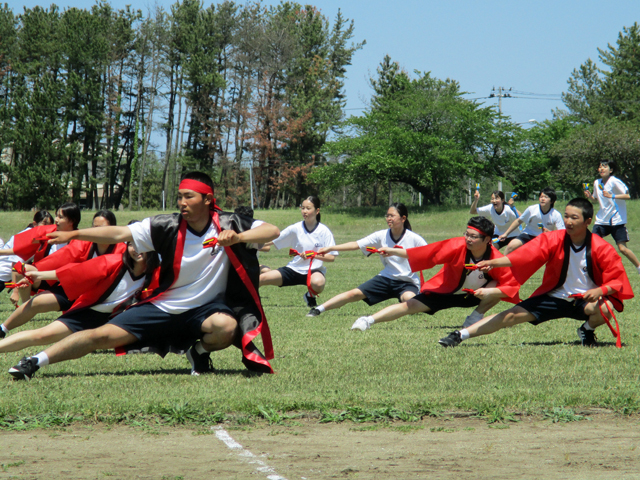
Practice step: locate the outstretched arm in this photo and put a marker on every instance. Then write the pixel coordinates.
(263, 233)
(343, 247)
(104, 235)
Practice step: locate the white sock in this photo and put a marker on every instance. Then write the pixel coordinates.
(370, 320)
(200, 349)
(464, 334)
(587, 326)
(475, 316)
(4, 329)
(638, 268)
(43, 359)
(320, 308)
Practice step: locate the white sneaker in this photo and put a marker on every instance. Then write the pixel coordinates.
(361, 324)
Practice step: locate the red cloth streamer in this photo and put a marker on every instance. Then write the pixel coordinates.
(470, 266)
(11, 285)
(615, 332)
(373, 250)
(19, 268)
(210, 242)
(309, 255)
(469, 291)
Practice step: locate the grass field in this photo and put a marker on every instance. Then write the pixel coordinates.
(395, 369)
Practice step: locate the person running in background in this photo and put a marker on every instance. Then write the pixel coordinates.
(536, 219)
(396, 280)
(500, 213)
(611, 192)
(583, 279)
(459, 283)
(306, 238)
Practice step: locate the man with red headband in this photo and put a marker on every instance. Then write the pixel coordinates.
(207, 286)
(458, 283)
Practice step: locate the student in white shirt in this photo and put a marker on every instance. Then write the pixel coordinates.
(500, 213)
(396, 280)
(307, 236)
(537, 219)
(611, 192)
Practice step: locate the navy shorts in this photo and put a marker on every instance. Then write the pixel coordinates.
(58, 292)
(291, 277)
(153, 327)
(619, 232)
(546, 307)
(380, 288)
(85, 319)
(524, 238)
(439, 301)
(502, 243)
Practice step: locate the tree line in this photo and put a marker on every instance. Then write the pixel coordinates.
(254, 96)
(82, 92)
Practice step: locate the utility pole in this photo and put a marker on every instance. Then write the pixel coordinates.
(501, 92)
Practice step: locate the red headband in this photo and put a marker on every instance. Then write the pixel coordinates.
(196, 186)
(479, 231)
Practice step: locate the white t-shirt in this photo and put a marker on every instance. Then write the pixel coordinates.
(123, 292)
(578, 280)
(298, 237)
(203, 271)
(532, 216)
(396, 268)
(7, 261)
(476, 279)
(611, 212)
(502, 220)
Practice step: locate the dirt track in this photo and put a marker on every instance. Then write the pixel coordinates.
(605, 447)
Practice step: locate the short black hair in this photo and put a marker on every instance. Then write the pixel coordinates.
(71, 211)
(402, 210)
(200, 177)
(42, 216)
(498, 194)
(583, 205)
(483, 224)
(108, 215)
(610, 163)
(551, 193)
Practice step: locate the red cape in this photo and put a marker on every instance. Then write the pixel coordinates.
(603, 263)
(453, 254)
(87, 282)
(76, 252)
(24, 247)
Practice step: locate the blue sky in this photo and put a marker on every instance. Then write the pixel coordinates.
(528, 46)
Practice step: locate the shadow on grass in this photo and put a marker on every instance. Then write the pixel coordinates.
(148, 372)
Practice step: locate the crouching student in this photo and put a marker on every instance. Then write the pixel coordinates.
(583, 279)
(459, 283)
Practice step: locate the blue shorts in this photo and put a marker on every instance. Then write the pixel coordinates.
(440, 301)
(291, 277)
(85, 319)
(153, 327)
(545, 307)
(619, 232)
(380, 288)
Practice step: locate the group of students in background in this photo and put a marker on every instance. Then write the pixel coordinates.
(95, 277)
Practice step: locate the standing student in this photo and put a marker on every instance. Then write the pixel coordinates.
(101, 288)
(459, 283)
(583, 279)
(52, 297)
(537, 219)
(396, 280)
(309, 235)
(500, 213)
(611, 192)
(207, 294)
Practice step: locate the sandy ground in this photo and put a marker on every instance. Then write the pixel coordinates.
(604, 447)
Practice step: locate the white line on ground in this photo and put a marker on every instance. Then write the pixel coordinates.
(248, 457)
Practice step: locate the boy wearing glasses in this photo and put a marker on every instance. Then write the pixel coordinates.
(458, 283)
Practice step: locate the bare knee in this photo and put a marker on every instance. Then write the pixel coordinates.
(318, 282)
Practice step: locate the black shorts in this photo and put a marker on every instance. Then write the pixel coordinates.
(439, 301)
(85, 319)
(546, 307)
(619, 232)
(501, 243)
(380, 288)
(291, 277)
(154, 327)
(524, 238)
(58, 292)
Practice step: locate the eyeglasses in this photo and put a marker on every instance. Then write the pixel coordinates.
(472, 237)
(390, 215)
